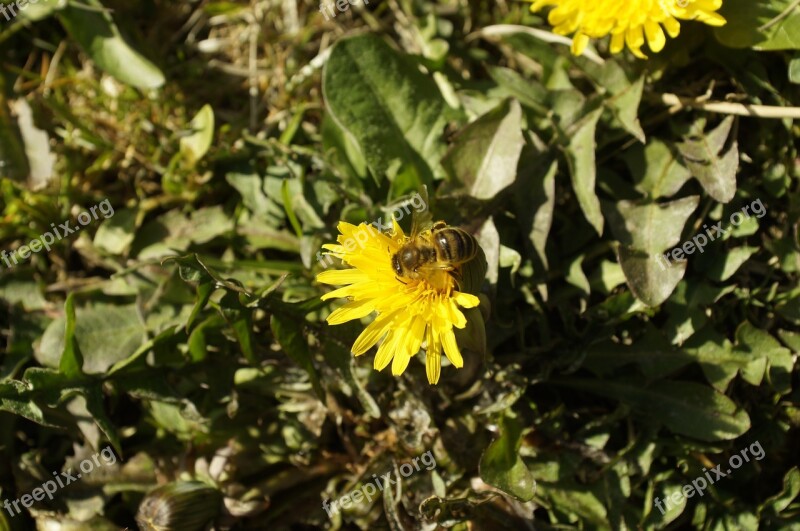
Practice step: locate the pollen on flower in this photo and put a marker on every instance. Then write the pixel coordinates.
(408, 312)
(629, 23)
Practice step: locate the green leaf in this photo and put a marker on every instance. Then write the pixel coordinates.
(195, 146)
(791, 489)
(656, 169)
(116, 234)
(645, 230)
(647, 226)
(686, 408)
(393, 111)
(473, 335)
(581, 159)
(529, 92)
(485, 154)
(41, 9)
(625, 107)
(794, 70)
(577, 277)
(766, 351)
(761, 24)
(105, 333)
(784, 34)
(536, 204)
(94, 405)
(624, 86)
(726, 266)
(71, 364)
(91, 25)
(288, 333)
(743, 20)
(13, 159)
(339, 356)
(715, 353)
(503, 468)
(204, 290)
(656, 520)
(240, 319)
(13, 400)
(710, 162)
(653, 354)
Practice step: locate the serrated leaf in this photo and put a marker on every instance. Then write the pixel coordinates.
(581, 159)
(580, 500)
(649, 227)
(625, 107)
(656, 169)
(393, 111)
(485, 154)
(95, 406)
(648, 278)
(536, 204)
(710, 162)
(766, 351)
(289, 335)
(791, 489)
(529, 92)
(95, 324)
(503, 468)
(686, 408)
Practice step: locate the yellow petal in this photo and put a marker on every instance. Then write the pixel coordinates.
(617, 43)
(385, 351)
(350, 311)
(397, 230)
(466, 300)
(672, 26)
(433, 358)
(399, 363)
(451, 348)
(339, 277)
(634, 38)
(712, 19)
(655, 36)
(579, 43)
(433, 368)
(372, 333)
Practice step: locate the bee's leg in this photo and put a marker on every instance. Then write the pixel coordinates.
(457, 276)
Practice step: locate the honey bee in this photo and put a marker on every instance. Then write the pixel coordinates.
(442, 248)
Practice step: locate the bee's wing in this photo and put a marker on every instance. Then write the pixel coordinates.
(422, 219)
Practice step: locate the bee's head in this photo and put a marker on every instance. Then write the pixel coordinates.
(409, 256)
(406, 258)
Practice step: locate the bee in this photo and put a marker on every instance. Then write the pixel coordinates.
(442, 248)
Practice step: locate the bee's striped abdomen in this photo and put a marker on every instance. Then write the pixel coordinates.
(454, 245)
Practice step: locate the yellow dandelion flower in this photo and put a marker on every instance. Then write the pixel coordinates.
(628, 22)
(408, 312)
